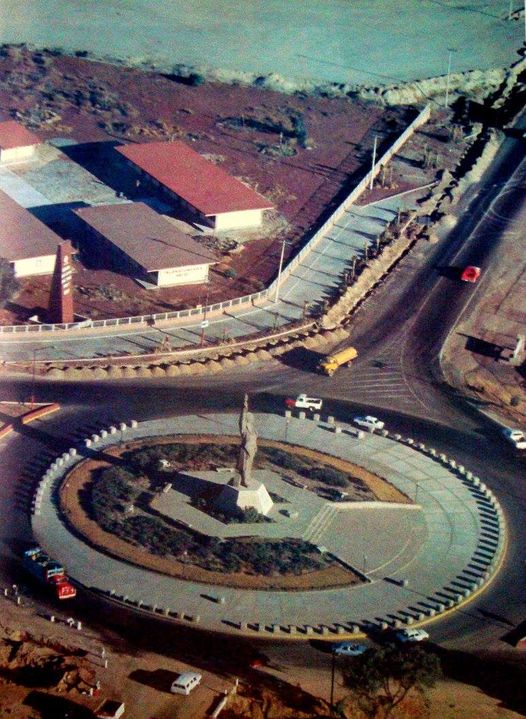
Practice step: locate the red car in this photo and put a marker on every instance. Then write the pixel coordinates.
(470, 274)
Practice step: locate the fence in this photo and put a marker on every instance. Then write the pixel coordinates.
(146, 320)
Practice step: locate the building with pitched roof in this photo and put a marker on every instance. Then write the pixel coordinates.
(133, 237)
(16, 143)
(28, 244)
(189, 180)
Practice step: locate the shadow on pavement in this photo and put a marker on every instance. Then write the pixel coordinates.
(160, 679)
(52, 707)
(501, 676)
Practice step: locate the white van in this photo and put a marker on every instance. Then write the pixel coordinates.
(185, 682)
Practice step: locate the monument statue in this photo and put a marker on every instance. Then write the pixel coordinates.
(248, 448)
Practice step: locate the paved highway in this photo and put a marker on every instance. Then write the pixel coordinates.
(399, 334)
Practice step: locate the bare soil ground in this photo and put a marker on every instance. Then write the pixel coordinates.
(253, 133)
(80, 477)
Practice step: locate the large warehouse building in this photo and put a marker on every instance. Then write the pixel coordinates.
(16, 143)
(189, 180)
(28, 244)
(132, 237)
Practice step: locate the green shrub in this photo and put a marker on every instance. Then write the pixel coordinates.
(328, 475)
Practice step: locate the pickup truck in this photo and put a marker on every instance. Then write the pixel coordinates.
(515, 437)
(302, 401)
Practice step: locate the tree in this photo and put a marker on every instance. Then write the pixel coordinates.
(9, 285)
(381, 678)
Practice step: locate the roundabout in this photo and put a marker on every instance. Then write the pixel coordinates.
(416, 560)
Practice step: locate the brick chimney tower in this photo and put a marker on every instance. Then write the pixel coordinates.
(60, 309)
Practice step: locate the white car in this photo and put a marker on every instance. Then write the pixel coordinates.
(369, 422)
(302, 401)
(515, 437)
(185, 683)
(349, 649)
(405, 636)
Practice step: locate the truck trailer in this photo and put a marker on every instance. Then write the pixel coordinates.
(329, 364)
(49, 572)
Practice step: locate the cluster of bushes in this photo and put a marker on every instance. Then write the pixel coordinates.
(240, 516)
(306, 467)
(112, 491)
(203, 456)
(113, 488)
(291, 126)
(267, 558)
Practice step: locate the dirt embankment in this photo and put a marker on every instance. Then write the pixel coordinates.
(78, 480)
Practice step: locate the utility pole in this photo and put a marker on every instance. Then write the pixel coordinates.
(276, 296)
(333, 667)
(204, 323)
(450, 50)
(374, 161)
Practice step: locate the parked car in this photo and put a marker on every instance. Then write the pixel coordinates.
(302, 401)
(408, 636)
(185, 683)
(515, 437)
(369, 422)
(470, 273)
(349, 649)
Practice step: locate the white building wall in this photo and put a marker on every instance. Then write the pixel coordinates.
(16, 154)
(34, 266)
(189, 275)
(244, 218)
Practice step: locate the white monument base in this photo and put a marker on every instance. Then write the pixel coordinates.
(255, 496)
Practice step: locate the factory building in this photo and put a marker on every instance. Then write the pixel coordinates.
(190, 181)
(16, 143)
(28, 244)
(132, 237)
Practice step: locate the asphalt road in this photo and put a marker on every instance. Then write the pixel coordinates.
(405, 320)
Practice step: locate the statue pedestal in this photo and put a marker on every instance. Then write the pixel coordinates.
(255, 496)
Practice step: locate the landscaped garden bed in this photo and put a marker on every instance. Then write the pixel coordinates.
(107, 502)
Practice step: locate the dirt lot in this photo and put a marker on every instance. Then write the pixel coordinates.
(299, 151)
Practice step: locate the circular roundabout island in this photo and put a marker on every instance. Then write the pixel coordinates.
(320, 529)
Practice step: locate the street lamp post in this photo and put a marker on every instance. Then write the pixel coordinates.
(333, 668)
(373, 162)
(33, 375)
(450, 50)
(204, 323)
(278, 281)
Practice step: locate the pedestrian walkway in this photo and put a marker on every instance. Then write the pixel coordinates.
(419, 558)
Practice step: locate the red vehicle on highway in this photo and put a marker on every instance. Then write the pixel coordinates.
(470, 273)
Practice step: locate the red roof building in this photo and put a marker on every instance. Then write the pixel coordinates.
(188, 178)
(132, 236)
(28, 244)
(16, 143)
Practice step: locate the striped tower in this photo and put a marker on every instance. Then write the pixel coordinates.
(60, 309)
